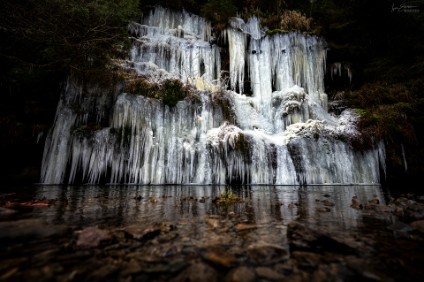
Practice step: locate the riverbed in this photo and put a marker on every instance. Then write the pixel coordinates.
(210, 233)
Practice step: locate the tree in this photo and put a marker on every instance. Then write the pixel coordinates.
(59, 34)
(42, 41)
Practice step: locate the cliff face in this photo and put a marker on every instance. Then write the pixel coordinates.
(279, 132)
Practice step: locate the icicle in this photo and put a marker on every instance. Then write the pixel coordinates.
(281, 133)
(237, 49)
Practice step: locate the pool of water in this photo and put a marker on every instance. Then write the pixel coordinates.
(123, 205)
(221, 228)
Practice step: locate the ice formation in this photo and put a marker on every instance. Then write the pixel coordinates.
(262, 121)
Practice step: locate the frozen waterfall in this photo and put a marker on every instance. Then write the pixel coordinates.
(262, 121)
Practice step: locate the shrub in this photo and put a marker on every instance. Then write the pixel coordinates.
(294, 20)
(170, 92)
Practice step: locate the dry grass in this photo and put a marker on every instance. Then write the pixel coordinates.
(294, 20)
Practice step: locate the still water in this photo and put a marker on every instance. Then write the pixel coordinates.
(189, 233)
(123, 205)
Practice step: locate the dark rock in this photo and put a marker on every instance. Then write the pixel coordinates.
(265, 254)
(418, 225)
(268, 273)
(364, 270)
(372, 204)
(131, 267)
(212, 222)
(220, 257)
(197, 272)
(6, 212)
(307, 259)
(142, 232)
(29, 229)
(165, 250)
(323, 209)
(172, 266)
(92, 237)
(245, 226)
(302, 237)
(400, 229)
(104, 273)
(355, 203)
(333, 272)
(415, 211)
(241, 274)
(328, 203)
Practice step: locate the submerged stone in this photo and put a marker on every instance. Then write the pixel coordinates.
(25, 229)
(240, 274)
(92, 237)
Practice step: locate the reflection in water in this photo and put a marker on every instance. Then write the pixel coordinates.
(173, 233)
(119, 206)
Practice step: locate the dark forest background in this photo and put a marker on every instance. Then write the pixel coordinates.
(379, 45)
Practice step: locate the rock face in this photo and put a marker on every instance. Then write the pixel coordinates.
(276, 130)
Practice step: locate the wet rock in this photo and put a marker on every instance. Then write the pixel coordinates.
(29, 229)
(270, 274)
(364, 270)
(9, 264)
(372, 204)
(73, 258)
(307, 259)
(6, 212)
(165, 250)
(142, 232)
(46, 256)
(166, 267)
(415, 211)
(265, 254)
(197, 272)
(43, 273)
(328, 203)
(302, 237)
(216, 240)
(176, 265)
(333, 272)
(131, 267)
(166, 227)
(8, 274)
(418, 225)
(373, 201)
(103, 273)
(212, 222)
(38, 203)
(323, 209)
(241, 274)
(244, 226)
(400, 229)
(220, 257)
(355, 203)
(92, 237)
